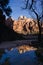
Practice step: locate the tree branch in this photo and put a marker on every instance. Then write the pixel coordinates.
(41, 17)
(26, 4)
(31, 4)
(35, 12)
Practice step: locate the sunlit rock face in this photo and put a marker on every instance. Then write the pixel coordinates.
(25, 48)
(17, 26)
(22, 17)
(25, 25)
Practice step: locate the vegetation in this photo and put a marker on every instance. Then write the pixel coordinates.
(35, 9)
(6, 34)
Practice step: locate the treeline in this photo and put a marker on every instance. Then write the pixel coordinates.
(7, 34)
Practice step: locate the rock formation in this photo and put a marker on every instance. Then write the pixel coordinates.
(25, 25)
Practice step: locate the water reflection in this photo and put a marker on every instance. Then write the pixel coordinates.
(1, 52)
(12, 56)
(25, 48)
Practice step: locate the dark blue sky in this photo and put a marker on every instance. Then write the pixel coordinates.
(17, 10)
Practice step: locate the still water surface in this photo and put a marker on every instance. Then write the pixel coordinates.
(13, 57)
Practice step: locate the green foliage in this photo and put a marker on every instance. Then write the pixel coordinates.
(8, 11)
(4, 8)
(4, 3)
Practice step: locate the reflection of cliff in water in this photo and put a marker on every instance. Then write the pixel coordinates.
(12, 56)
(24, 48)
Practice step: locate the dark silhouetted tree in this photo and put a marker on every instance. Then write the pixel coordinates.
(36, 7)
(9, 22)
(4, 9)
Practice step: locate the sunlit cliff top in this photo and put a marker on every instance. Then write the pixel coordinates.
(23, 25)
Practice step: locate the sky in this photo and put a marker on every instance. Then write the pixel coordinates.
(16, 6)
